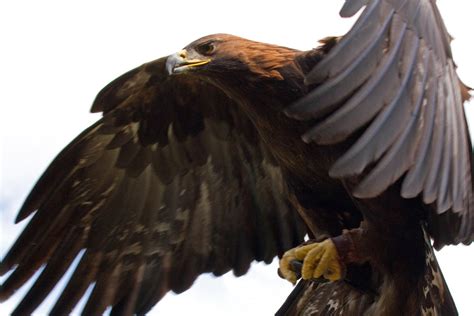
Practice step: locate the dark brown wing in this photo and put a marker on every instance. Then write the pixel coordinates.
(392, 80)
(172, 182)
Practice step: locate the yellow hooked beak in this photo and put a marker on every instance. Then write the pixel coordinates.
(179, 62)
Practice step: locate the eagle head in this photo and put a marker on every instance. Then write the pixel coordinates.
(222, 54)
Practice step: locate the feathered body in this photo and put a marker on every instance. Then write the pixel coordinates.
(327, 205)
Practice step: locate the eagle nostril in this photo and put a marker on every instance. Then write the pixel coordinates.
(183, 54)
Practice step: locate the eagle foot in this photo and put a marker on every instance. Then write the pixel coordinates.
(320, 259)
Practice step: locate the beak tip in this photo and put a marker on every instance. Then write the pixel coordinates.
(170, 64)
(173, 61)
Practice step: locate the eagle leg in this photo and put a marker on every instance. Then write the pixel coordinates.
(320, 259)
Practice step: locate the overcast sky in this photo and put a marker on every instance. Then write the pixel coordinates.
(56, 55)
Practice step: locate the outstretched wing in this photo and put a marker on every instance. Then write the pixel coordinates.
(172, 182)
(391, 81)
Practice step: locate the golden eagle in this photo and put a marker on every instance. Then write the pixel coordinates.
(207, 160)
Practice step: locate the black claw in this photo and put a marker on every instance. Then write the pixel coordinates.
(296, 267)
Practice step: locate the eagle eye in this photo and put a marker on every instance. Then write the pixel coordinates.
(206, 48)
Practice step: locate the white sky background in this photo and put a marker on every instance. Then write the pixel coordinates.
(56, 55)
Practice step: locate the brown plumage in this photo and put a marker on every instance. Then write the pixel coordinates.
(207, 159)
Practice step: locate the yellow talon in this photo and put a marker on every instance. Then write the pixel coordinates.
(285, 266)
(319, 260)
